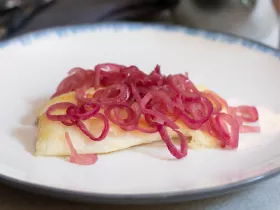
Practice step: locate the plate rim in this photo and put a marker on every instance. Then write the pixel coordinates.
(212, 35)
(143, 198)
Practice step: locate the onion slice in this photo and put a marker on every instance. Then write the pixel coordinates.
(249, 129)
(131, 118)
(82, 97)
(59, 106)
(218, 98)
(104, 132)
(114, 94)
(182, 85)
(217, 105)
(80, 159)
(86, 111)
(246, 113)
(226, 129)
(196, 113)
(155, 113)
(149, 103)
(179, 154)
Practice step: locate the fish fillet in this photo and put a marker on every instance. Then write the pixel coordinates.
(51, 135)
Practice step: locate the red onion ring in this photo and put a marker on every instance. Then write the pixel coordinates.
(85, 111)
(159, 99)
(109, 97)
(171, 147)
(129, 121)
(196, 113)
(109, 67)
(76, 70)
(80, 159)
(217, 98)
(81, 97)
(135, 93)
(249, 129)
(96, 78)
(163, 98)
(246, 113)
(155, 113)
(104, 132)
(217, 106)
(62, 105)
(226, 130)
(182, 85)
(76, 80)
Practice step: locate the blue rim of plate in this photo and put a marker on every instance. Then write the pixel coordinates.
(149, 198)
(65, 31)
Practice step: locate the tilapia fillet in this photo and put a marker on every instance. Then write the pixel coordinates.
(51, 135)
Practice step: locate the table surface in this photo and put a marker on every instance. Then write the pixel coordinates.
(265, 195)
(262, 196)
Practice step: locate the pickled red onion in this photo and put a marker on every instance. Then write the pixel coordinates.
(249, 129)
(218, 98)
(151, 103)
(59, 106)
(104, 132)
(179, 154)
(155, 113)
(80, 159)
(182, 85)
(226, 130)
(131, 117)
(246, 113)
(195, 114)
(217, 105)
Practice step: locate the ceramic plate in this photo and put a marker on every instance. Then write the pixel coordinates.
(241, 71)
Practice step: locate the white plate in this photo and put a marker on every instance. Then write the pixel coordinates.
(239, 70)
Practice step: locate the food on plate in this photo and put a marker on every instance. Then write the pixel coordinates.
(115, 107)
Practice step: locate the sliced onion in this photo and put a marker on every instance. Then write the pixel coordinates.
(163, 98)
(217, 106)
(80, 159)
(218, 98)
(179, 154)
(130, 120)
(226, 130)
(59, 106)
(134, 75)
(104, 132)
(76, 70)
(246, 113)
(82, 98)
(155, 77)
(182, 85)
(115, 94)
(155, 113)
(96, 77)
(72, 82)
(86, 111)
(135, 93)
(196, 113)
(109, 67)
(160, 100)
(110, 78)
(137, 113)
(249, 129)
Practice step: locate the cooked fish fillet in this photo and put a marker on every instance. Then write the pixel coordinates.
(51, 135)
